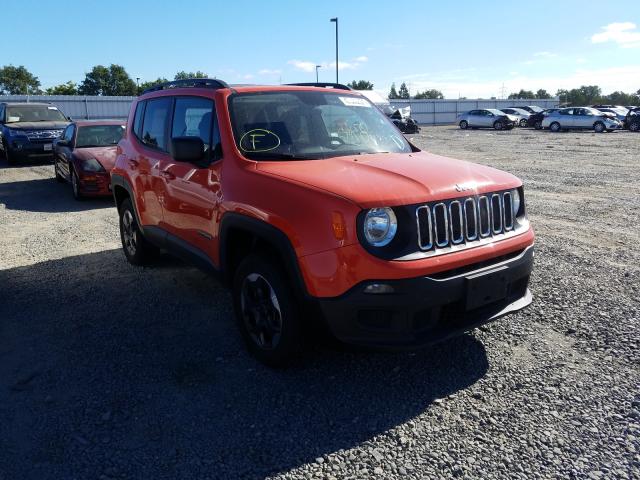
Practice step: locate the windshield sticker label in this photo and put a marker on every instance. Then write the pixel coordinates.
(354, 102)
(259, 140)
(52, 108)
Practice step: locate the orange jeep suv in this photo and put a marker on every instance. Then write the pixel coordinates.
(312, 206)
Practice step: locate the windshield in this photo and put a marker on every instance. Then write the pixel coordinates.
(34, 113)
(495, 111)
(536, 108)
(99, 135)
(305, 125)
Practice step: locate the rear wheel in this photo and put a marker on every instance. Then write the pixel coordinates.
(555, 127)
(266, 311)
(136, 248)
(463, 125)
(634, 127)
(498, 125)
(599, 127)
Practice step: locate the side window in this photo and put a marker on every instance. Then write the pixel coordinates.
(193, 117)
(154, 125)
(137, 120)
(1, 113)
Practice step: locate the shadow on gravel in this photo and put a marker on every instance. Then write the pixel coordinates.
(46, 195)
(107, 369)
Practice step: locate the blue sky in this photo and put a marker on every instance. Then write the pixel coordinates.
(467, 48)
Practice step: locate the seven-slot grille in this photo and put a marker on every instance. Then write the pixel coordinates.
(42, 134)
(463, 220)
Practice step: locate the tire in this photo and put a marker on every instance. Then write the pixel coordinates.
(464, 125)
(538, 125)
(599, 127)
(266, 311)
(136, 248)
(59, 178)
(555, 127)
(9, 157)
(523, 123)
(498, 125)
(634, 127)
(75, 186)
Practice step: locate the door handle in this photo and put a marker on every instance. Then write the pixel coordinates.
(167, 174)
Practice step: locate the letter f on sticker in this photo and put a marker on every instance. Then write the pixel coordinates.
(253, 139)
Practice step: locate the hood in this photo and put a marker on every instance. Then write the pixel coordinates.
(393, 179)
(105, 155)
(37, 125)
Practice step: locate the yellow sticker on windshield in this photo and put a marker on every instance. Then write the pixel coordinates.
(259, 140)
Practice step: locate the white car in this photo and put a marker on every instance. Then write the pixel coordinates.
(580, 118)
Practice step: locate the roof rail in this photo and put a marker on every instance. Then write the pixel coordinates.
(189, 83)
(339, 86)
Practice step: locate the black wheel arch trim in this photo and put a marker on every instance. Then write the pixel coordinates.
(264, 231)
(120, 181)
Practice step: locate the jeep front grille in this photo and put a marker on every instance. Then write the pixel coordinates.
(465, 223)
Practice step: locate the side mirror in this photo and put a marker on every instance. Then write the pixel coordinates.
(187, 149)
(62, 143)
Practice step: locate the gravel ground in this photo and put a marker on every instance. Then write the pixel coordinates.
(109, 371)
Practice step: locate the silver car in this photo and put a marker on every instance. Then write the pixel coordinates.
(487, 118)
(580, 118)
(523, 115)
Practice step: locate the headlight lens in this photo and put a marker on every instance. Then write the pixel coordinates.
(515, 201)
(16, 133)
(92, 165)
(380, 226)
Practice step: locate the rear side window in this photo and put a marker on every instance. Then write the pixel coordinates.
(137, 120)
(154, 126)
(193, 118)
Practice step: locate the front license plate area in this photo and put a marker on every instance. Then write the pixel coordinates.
(48, 147)
(487, 287)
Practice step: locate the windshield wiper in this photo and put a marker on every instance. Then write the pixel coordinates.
(278, 156)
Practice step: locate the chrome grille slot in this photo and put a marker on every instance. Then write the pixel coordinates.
(465, 222)
(456, 220)
(425, 228)
(496, 213)
(507, 205)
(484, 213)
(441, 225)
(471, 219)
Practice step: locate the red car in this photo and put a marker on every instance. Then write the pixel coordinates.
(319, 214)
(85, 154)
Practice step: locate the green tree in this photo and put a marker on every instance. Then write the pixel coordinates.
(404, 91)
(152, 83)
(18, 81)
(113, 80)
(543, 94)
(361, 85)
(522, 94)
(620, 98)
(69, 88)
(182, 75)
(585, 95)
(393, 93)
(429, 94)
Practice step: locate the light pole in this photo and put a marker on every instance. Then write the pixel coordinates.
(317, 67)
(138, 84)
(336, 20)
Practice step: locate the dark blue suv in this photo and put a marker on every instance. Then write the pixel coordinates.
(29, 129)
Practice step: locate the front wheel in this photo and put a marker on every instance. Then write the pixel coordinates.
(555, 127)
(599, 127)
(523, 123)
(136, 248)
(498, 125)
(75, 185)
(538, 125)
(634, 127)
(266, 311)
(59, 178)
(9, 157)
(464, 125)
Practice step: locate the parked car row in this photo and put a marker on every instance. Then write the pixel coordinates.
(600, 118)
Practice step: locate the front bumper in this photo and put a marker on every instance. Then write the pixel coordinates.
(429, 309)
(23, 148)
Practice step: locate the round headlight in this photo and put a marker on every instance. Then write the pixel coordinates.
(380, 226)
(515, 201)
